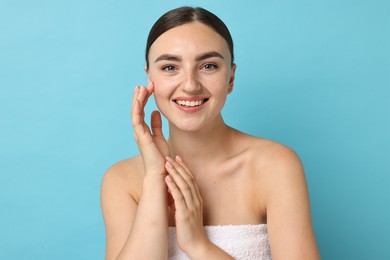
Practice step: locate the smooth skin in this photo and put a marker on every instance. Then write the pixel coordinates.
(206, 173)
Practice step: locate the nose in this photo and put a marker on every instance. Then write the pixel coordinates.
(191, 83)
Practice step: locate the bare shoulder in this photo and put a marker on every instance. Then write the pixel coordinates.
(124, 167)
(120, 189)
(283, 194)
(124, 176)
(279, 157)
(274, 166)
(268, 154)
(283, 173)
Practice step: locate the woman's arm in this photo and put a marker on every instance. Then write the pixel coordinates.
(139, 231)
(121, 213)
(288, 209)
(189, 213)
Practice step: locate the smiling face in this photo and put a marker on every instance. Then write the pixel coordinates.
(190, 66)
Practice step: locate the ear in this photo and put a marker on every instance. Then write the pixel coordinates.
(231, 79)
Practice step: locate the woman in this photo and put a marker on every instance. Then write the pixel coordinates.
(209, 191)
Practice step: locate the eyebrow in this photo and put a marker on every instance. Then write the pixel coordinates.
(203, 56)
(168, 57)
(209, 54)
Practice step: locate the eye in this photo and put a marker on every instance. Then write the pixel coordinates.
(169, 68)
(210, 66)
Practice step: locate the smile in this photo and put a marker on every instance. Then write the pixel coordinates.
(193, 103)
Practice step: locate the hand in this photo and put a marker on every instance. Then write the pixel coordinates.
(152, 145)
(188, 206)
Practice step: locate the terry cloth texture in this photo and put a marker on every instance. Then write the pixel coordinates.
(240, 241)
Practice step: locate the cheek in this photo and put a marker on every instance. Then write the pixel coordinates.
(162, 88)
(162, 92)
(219, 79)
(159, 94)
(160, 99)
(219, 84)
(161, 83)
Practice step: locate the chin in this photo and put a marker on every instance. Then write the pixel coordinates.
(189, 126)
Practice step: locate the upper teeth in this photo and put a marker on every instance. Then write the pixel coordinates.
(189, 103)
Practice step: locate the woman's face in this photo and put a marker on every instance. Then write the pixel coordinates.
(190, 66)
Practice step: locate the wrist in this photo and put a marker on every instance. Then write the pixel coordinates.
(156, 170)
(200, 251)
(154, 178)
(154, 184)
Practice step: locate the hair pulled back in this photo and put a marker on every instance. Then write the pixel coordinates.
(184, 15)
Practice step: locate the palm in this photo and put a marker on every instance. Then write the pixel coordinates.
(152, 144)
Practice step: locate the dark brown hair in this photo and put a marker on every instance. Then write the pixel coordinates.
(184, 15)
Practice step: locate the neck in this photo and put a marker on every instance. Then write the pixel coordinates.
(200, 147)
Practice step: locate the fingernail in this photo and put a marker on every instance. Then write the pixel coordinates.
(169, 164)
(178, 159)
(169, 179)
(169, 159)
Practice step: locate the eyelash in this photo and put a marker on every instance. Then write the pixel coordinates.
(168, 68)
(214, 67)
(172, 68)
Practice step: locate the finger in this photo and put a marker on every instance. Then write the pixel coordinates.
(136, 115)
(141, 130)
(182, 186)
(150, 89)
(178, 197)
(135, 95)
(142, 96)
(192, 178)
(189, 177)
(148, 92)
(137, 109)
(156, 124)
(180, 161)
(184, 182)
(170, 199)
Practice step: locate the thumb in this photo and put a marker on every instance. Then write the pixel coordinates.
(156, 124)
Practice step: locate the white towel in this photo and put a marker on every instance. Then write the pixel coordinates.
(239, 241)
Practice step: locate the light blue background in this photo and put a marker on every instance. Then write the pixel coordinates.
(313, 75)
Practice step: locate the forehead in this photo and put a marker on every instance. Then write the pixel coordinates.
(189, 39)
